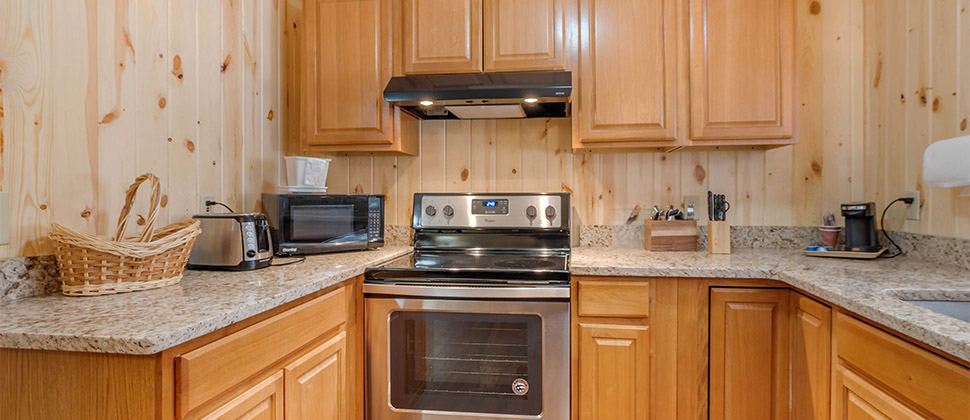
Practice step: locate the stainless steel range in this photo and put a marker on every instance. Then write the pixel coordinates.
(474, 324)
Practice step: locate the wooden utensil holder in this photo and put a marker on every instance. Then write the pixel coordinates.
(672, 235)
(718, 237)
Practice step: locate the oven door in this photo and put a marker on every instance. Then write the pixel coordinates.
(325, 223)
(434, 359)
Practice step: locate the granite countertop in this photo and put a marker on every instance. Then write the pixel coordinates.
(151, 321)
(868, 288)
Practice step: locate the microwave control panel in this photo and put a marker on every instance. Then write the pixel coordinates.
(462, 211)
(375, 218)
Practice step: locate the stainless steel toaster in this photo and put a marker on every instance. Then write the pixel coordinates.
(232, 241)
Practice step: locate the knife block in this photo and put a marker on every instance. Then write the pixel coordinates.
(670, 235)
(718, 237)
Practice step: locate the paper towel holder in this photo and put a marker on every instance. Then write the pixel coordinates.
(946, 164)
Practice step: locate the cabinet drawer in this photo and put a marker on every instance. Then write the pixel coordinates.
(614, 298)
(937, 385)
(204, 373)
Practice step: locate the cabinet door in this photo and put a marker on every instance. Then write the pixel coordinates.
(523, 35)
(264, 401)
(858, 399)
(742, 69)
(628, 72)
(442, 36)
(614, 375)
(749, 354)
(811, 358)
(346, 64)
(316, 384)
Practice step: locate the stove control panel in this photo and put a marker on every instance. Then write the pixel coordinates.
(500, 211)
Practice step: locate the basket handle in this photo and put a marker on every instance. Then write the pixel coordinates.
(152, 212)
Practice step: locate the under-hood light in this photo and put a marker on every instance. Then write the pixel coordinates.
(531, 100)
(427, 103)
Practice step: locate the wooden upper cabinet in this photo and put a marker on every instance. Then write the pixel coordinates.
(346, 64)
(442, 36)
(749, 354)
(742, 69)
(523, 35)
(626, 90)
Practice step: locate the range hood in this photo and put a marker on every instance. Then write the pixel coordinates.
(482, 96)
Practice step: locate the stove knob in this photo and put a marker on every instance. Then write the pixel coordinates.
(531, 212)
(430, 211)
(550, 212)
(448, 211)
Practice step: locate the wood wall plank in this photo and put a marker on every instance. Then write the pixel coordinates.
(209, 119)
(458, 159)
(183, 129)
(151, 103)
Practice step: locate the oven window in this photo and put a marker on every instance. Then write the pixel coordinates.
(321, 223)
(466, 362)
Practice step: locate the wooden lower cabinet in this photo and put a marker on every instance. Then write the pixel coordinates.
(264, 401)
(316, 384)
(881, 376)
(750, 338)
(614, 371)
(858, 399)
(625, 355)
(811, 358)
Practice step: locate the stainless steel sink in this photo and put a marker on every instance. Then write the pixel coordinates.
(952, 308)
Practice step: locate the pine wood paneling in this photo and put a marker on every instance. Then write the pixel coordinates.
(94, 93)
(67, 157)
(917, 91)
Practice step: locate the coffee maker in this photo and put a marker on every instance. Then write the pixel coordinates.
(860, 227)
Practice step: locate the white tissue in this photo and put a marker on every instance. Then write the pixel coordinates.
(946, 163)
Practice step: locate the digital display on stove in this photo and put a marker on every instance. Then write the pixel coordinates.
(490, 207)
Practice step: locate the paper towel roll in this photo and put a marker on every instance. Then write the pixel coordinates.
(946, 163)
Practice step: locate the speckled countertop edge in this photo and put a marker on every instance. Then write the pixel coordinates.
(866, 288)
(151, 321)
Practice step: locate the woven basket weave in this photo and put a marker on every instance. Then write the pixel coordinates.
(91, 265)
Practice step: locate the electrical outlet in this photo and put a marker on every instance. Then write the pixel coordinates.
(4, 218)
(700, 211)
(912, 210)
(204, 209)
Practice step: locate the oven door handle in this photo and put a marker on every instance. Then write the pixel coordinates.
(466, 292)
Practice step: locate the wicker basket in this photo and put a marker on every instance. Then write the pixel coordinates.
(91, 265)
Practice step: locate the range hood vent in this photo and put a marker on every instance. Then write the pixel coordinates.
(470, 96)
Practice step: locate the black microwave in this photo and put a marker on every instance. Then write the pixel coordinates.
(304, 224)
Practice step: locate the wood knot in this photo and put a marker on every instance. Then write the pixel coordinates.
(270, 115)
(514, 171)
(109, 117)
(189, 145)
(225, 63)
(663, 158)
(464, 174)
(815, 8)
(162, 102)
(922, 100)
(164, 201)
(358, 189)
(902, 98)
(699, 173)
(86, 213)
(43, 206)
(140, 221)
(936, 104)
(816, 168)
(177, 67)
(963, 125)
